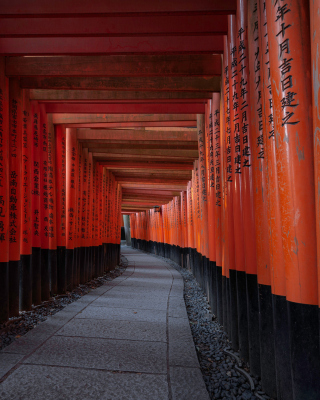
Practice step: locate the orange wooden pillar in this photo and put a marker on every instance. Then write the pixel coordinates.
(104, 221)
(315, 40)
(84, 233)
(184, 227)
(215, 184)
(247, 279)
(198, 258)
(277, 265)
(195, 220)
(234, 218)
(89, 218)
(289, 51)
(71, 155)
(60, 172)
(96, 219)
(25, 295)
(4, 193)
(211, 262)
(229, 258)
(15, 181)
(44, 202)
(78, 248)
(93, 242)
(52, 207)
(243, 143)
(99, 213)
(35, 193)
(203, 196)
(236, 291)
(266, 330)
(189, 261)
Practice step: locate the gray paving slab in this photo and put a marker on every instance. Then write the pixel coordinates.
(177, 308)
(110, 329)
(8, 361)
(32, 382)
(141, 303)
(123, 314)
(187, 384)
(108, 354)
(181, 346)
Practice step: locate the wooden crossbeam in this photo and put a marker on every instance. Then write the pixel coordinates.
(113, 45)
(136, 135)
(107, 118)
(125, 65)
(107, 26)
(98, 7)
(129, 108)
(114, 95)
(158, 83)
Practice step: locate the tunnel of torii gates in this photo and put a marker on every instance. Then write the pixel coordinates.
(200, 120)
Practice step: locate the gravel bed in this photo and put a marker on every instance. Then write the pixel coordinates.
(27, 320)
(218, 369)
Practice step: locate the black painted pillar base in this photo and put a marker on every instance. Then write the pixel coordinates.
(101, 259)
(53, 271)
(4, 291)
(86, 262)
(61, 269)
(76, 272)
(267, 351)
(213, 287)
(82, 255)
(234, 309)
(69, 269)
(282, 348)
(242, 315)
(25, 295)
(45, 275)
(89, 263)
(36, 275)
(219, 294)
(253, 324)
(304, 344)
(225, 304)
(14, 278)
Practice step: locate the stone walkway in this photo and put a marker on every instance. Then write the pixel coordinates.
(128, 339)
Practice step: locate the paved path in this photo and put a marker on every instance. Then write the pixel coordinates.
(128, 339)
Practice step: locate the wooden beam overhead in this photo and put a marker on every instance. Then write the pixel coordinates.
(104, 95)
(195, 44)
(106, 66)
(138, 157)
(136, 135)
(158, 83)
(156, 145)
(108, 26)
(129, 108)
(104, 151)
(144, 165)
(98, 7)
(130, 124)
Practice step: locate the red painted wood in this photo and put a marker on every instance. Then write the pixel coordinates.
(129, 65)
(26, 163)
(113, 45)
(135, 108)
(105, 26)
(4, 161)
(67, 7)
(61, 184)
(15, 147)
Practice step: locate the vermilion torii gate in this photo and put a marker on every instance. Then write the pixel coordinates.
(200, 120)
